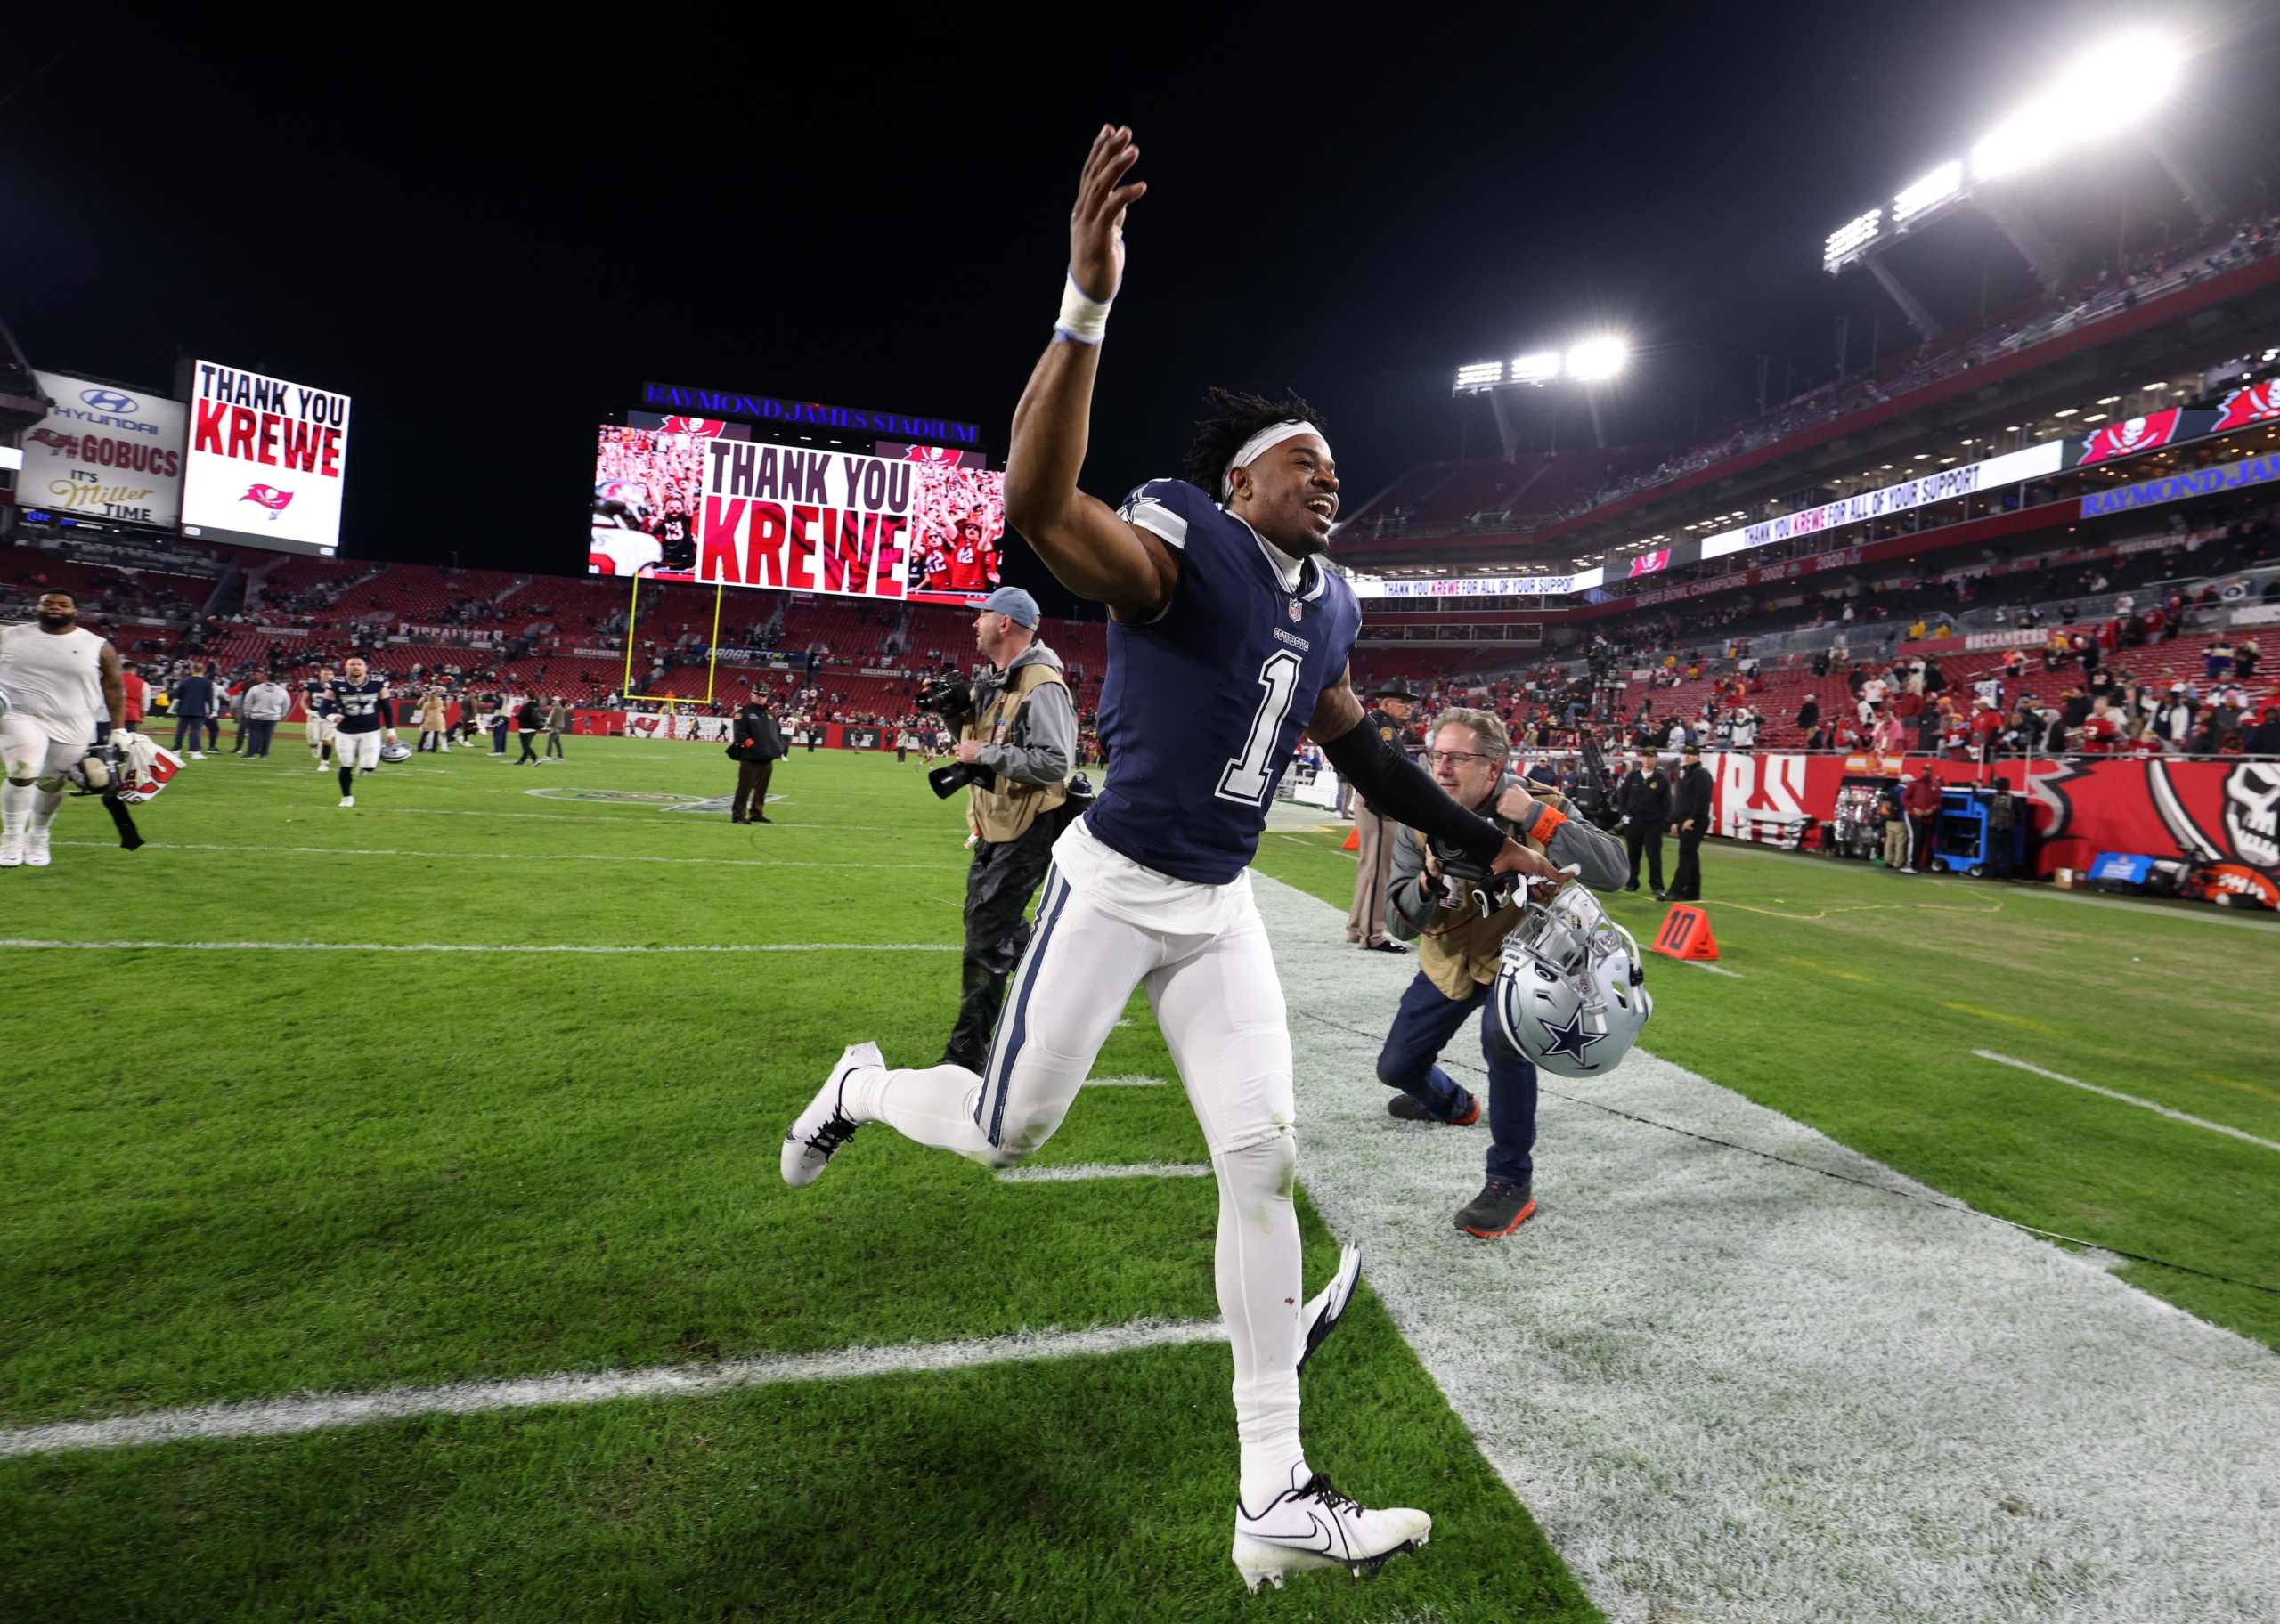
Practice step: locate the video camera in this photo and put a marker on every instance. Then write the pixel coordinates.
(1594, 793)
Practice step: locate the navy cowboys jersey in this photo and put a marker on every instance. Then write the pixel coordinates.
(359, 703)
(1202, 708)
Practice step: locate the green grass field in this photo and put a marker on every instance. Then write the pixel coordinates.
(248, 1172)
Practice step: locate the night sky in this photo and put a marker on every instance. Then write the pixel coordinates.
(488, 240)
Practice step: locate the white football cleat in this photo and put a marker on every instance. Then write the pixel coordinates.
(11, 850)
(36, 854)
(347, 801)
(823, 1127)
(1315, 1526)
(1327, 1306)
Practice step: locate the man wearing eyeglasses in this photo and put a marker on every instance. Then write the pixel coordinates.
(1457, 954)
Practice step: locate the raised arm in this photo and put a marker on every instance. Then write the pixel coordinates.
(1090, 549)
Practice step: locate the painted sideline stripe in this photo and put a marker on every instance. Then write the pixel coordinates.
(2060, 1076)
(272, 1417)
(1104, 1170)
(499, 948)
(514, 857)
(1714, 970)
(1124, 1083)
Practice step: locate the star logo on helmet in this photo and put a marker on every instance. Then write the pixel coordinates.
(1570, 1039)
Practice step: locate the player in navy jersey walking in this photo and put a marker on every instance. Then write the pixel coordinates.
(1227, 639)
(362, 721)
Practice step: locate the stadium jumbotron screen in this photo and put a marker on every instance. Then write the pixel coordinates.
(695, 501)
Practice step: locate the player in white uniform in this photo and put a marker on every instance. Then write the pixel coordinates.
(1227, 639)
(60, 680)
(323, 712)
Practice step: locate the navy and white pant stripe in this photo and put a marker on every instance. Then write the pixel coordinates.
(1013, 1024)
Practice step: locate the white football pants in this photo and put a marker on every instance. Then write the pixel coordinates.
(356, 750)
(1220, 1006)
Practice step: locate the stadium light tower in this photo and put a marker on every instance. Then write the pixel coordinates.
(1588, 362)
(2111, 89)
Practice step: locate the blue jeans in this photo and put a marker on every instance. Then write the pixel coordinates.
(258, 735)
(1426, 1022)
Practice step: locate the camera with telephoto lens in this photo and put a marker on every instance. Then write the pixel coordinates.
(948, 781)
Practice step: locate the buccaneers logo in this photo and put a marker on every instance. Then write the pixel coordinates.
(2137, 433)
(269, 497)
(2246, 864)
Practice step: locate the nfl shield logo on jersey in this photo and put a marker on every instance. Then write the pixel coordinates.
(1297, 610)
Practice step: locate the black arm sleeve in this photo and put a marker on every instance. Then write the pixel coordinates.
(1403, 791)
(387, 709)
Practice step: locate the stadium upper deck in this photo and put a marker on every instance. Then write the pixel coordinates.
(2159, 333)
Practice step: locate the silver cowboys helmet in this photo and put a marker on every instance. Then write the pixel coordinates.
(95, 772)
(1571, 993)
(395, 750)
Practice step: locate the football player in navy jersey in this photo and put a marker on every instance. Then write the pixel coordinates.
(364, 719)
(1228, 640)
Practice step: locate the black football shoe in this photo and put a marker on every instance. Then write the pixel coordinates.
(1499, 1209)
(1402, 1105)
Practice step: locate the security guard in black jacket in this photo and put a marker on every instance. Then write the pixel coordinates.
(756, 746)
(1645, 803)
(1690, 816)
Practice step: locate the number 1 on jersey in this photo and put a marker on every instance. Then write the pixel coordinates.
(1247, 778)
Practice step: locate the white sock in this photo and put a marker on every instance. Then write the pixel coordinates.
(45, 803)
(1261, 1288)
(16, 809)
(934, 1107)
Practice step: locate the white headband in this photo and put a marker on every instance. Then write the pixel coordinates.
(1273, 435)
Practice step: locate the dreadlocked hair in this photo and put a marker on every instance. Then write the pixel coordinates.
(1239, 416)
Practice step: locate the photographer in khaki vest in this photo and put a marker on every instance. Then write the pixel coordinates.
(1020, 736)
(1458, 952)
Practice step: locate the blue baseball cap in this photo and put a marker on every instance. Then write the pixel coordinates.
(1015, 604)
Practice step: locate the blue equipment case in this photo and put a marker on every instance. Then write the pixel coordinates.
(1961, 842)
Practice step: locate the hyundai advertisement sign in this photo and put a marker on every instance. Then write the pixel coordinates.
(105, 451)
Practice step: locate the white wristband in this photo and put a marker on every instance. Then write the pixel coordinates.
(1083, 317)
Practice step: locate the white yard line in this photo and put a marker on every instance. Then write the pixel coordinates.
(1714, 969)
(1124, 1083)
(663, 817)
(1732, 1389)
(1103, 1170)
(272, 1417)
(2147, 1104)
(513, 856)
(491, 947)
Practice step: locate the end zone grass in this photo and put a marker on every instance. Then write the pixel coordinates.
(246, 1172)
(1858, 996)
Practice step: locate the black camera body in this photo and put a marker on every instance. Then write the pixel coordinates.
(947, 694)
(1467, 884)
(1594, 792)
